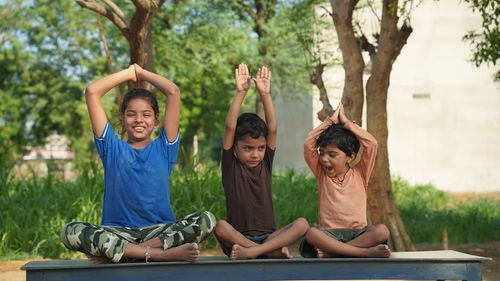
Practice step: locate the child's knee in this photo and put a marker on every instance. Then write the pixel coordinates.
(302, 224)
(312, 233)
(71, 235)
(221, 228)
(381, 232)
(210, 220)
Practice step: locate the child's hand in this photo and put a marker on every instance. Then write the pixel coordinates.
(335, 116)
(342, 118)
(242, 78)
(132, 71)
(263, 81)
(138, 71)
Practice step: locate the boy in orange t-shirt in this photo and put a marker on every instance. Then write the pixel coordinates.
(329, 150)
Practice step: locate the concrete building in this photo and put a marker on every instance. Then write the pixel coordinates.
(443, 112)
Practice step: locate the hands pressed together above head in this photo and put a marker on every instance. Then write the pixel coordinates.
(339, 116)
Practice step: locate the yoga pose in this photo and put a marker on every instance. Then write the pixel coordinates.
(137, 219)
(247, 159)
(329, 150)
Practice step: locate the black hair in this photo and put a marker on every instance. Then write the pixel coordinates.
(250, 124)
(340, 137)
(140, 93)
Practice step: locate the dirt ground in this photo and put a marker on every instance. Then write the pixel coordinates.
(10, 270)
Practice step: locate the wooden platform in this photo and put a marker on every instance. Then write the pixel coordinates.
(430, 265)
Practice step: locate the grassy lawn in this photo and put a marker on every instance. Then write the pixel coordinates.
(35, 210)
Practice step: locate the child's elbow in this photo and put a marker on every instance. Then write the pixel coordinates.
(89, 91)
(272, 130)
(175, 91)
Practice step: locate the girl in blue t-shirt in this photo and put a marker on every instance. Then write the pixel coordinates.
(137, 219)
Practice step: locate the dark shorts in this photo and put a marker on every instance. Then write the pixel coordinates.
(259, 239)
(343, 235)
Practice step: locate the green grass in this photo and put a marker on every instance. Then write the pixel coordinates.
(34, 211)
(426, 210)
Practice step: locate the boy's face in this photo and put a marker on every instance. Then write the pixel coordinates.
(250, 151)
(334, 161)
(139, 121)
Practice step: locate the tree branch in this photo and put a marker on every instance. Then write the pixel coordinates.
(116, 10)
(108, 13)
(141, 4)
(367, 46)
(316, 78)
(402, 37)
(248, 10)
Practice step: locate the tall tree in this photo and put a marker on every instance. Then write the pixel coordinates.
(46, 54)
(260, 13)
(389, 41)
(136, 29)
(276, 47)
(198, 45)
(317, 50)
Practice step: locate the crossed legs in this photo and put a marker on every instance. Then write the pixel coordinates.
(168, 242)
(367, 244)
(275, 246)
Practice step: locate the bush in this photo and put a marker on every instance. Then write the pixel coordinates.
(34, 211)
(426, 210)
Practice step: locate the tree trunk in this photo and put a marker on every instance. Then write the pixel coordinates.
(141, 52)
(381, 204)
(137, 31)
(382, 207)
(352, 96)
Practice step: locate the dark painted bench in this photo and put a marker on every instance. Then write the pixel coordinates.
(430, 265)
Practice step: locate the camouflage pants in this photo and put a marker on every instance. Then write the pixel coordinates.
(110, 241)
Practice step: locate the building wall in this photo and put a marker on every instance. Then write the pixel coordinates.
(294, 122)
(443, 112)
(444, 117)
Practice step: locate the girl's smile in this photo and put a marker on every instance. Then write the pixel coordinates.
(139, 121)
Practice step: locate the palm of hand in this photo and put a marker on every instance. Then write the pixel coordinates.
(263, 85)
(243, 82)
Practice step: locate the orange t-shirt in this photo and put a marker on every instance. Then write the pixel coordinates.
(342, 207)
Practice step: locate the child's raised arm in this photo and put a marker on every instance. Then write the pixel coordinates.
(369, 143)
(311, 155)
(242, 79)
(97, 89)
(263, 85)
(172, 92)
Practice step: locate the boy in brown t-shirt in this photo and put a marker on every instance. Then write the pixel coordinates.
(329, 150)
(247, 159)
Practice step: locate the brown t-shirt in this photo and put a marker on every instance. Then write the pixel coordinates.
(248, 192)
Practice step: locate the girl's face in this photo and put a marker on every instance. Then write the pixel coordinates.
(334, 161)
(139, 121)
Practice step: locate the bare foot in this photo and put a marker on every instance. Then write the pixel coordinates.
(286, 253)
(280, 253)
(379, 251)
(98, 260)
(241, 253)
(184, 252)
(322, 254)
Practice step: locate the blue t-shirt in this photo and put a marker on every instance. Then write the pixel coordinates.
(136, 181)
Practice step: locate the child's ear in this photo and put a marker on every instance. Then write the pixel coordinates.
(351, 158)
